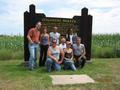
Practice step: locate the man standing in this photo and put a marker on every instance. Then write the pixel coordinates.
(54, 35)
(34, 40)
(70, 36)
(79, 53)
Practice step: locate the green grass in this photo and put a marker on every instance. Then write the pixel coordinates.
(14, 76)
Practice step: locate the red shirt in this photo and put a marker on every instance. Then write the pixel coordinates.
(34, 35)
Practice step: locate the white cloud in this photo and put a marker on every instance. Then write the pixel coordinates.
(64, 12)
(105, 13)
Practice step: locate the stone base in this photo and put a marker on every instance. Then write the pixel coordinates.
(71, 79)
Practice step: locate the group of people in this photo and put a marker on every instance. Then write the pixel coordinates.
(53, 53)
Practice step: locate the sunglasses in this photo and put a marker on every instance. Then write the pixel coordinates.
(54, 42)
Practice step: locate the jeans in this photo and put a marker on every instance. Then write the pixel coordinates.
(69, 65)
(79, 62)
(50, 64)
(33, 55)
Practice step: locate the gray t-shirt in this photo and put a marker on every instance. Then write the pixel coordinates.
(55, 52)
(78, 50)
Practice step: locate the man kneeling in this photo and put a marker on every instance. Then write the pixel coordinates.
(79, 53)
(54, 53)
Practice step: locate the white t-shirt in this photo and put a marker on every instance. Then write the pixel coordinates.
(62, 46)
(54, 36)
(71, 36)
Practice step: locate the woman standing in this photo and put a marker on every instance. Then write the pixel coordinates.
(44, 44)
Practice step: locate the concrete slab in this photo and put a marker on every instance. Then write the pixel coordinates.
(71, 79)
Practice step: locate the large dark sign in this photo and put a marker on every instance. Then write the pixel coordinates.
(63, 24)
(82, 25)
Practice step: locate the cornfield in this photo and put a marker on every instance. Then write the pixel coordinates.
(11, 42)
(108, 40)
(11, 47)
(103, 46)
(106, 46)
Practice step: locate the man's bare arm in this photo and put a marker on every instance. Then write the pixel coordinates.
(29, 39)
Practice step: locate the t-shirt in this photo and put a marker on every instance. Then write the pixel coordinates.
(62, 46)
(78, 50)
(71, 36)
(54, 36)
(55, 51)
(34, 35)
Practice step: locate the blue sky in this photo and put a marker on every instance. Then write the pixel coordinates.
(106, 18)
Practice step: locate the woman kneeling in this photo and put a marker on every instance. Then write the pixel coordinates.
(68, 58)
(54, 53)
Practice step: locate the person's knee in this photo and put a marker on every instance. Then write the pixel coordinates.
(58, 68)
(48, 62)
(74, 68)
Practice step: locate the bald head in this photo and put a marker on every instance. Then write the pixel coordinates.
(78, 40)
(55, 28)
